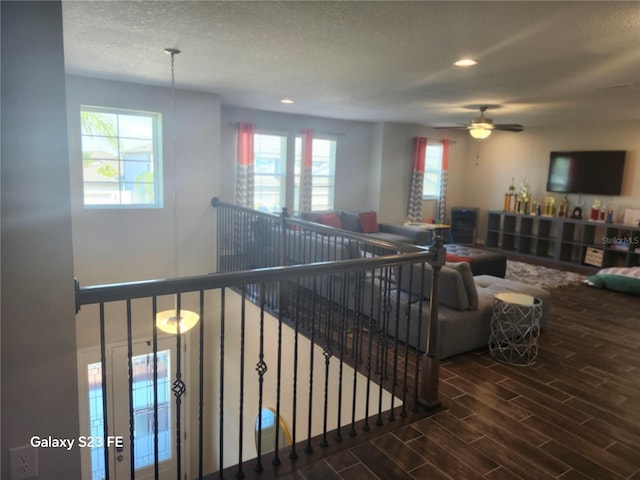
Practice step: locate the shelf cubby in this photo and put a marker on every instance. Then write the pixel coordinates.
(563, 240)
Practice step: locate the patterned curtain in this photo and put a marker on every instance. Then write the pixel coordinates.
(442, 201)
(414, 212)
(244, 165)
(306, 184)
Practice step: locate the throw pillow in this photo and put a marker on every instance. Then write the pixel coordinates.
(453, 258)
(314, 216)
(331, 220)
(467, 279)
(369, 222)
(350, 221)
(619, 279)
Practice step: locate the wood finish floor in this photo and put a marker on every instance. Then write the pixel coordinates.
(574, 415)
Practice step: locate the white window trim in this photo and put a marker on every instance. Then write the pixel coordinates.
(158, 160)
(441, 147)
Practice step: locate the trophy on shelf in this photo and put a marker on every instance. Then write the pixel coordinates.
(549, 206)
(523, 201)
(563, 209)
(509, 198)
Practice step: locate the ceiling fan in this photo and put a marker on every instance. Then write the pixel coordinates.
(481, 127)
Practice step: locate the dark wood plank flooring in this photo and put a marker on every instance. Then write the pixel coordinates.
(574, 415)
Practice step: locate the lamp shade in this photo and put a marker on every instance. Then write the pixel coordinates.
(480, 131)
(167, 321)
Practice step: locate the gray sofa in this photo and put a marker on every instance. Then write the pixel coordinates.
(350, 221)
(465, 307)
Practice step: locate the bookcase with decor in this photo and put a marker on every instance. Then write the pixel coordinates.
(564, 240)
(522, 234)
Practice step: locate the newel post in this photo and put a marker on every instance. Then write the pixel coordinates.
(431, 371)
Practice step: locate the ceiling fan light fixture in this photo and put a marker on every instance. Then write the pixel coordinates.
(465, 62)
(480, 131)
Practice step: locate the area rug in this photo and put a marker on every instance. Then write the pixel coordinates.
(543, 277)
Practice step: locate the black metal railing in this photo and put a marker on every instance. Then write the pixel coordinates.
(323, 318)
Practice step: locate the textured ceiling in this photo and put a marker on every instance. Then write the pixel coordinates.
(542, 62)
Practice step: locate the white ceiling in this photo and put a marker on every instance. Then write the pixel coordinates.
(542, 62)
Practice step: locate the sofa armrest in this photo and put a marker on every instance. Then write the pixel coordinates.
(417, 235)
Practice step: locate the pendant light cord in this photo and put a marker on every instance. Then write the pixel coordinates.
(173, 52)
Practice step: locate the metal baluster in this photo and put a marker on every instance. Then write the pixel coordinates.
(309, 448)
(201, 398)
(296, 317)
(423, 269)
(357, 346)
(221, 413)
(178, 389)
(261, 368)
(383, 341)
(276, 458)
(156, 446)
(372, 330)
(396, 346)
(342, 341)
(132, 468)
(105, 405)
(328, 353)
(407, 350)
(243, 321)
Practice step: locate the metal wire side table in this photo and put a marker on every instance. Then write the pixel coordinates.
(515, 328)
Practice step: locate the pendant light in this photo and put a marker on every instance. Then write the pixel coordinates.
(167, 320)
(176, 320)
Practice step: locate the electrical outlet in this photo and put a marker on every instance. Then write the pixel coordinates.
(23, 462)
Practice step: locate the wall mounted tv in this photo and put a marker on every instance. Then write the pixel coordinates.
(596, 172)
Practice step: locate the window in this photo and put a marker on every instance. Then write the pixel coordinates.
(270, 160)
(143, 412)
(120, 158)
(275, 165)
(323, 173)
(432, 171)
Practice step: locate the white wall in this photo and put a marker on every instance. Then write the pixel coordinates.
(39, 381)
(117, 245)
(122, 245)
(505, 155)
(397, 152)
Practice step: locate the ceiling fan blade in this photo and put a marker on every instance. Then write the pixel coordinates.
(455, 127)
(509, 127)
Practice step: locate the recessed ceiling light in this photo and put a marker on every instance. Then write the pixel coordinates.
(465, 62)
(286, 101)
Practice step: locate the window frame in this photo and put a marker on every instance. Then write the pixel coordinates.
(284, 160)
(291, 168)
(156, 161)
(437, 171)
(331, 183)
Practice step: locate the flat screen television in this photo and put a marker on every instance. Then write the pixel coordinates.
(596, 172)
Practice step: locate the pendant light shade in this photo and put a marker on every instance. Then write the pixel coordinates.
(167, 321)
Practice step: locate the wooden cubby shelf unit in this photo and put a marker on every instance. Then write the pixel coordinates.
(563, 240)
